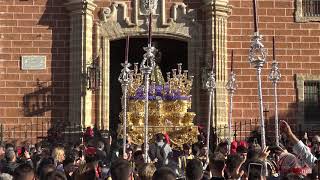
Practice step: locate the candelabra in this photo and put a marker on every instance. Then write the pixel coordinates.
(210, 85)
(125, 80)
(177, 87)
(146, 67)
(257, 57)
(231, 87)
(275, 76)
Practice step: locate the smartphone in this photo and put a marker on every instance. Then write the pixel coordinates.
(255, 171)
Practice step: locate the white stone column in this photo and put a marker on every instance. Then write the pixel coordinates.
(81, 22)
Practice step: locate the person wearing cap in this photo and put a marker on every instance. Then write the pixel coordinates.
(287, 162)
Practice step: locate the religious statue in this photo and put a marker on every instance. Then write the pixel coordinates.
(156, 75)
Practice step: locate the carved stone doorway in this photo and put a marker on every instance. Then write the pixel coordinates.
(172, 51)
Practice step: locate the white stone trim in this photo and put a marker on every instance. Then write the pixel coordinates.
(182, 26)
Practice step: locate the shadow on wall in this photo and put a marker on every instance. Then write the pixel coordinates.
(48, 104)
(38, 102)
(56, 18)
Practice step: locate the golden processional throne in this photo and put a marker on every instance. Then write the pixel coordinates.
(169, 106)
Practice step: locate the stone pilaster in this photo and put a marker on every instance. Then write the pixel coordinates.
(81, 21)
(220, 107)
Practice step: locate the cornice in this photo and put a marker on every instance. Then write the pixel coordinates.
(80, 6)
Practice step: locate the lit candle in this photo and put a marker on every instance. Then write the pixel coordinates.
(127, 50)
(213, 60)
(150, 29)
(255, 18)
(273, 49)
(214, 38)
(231, 60)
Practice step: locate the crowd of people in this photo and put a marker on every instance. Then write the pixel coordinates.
(99, 157)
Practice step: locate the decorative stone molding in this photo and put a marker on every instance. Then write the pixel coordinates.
(300, 79)
(299, 15)
(80, 99)
(181, 25)
(113, 12)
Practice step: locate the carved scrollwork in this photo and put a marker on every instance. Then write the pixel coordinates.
(105, 13)
(116, 11)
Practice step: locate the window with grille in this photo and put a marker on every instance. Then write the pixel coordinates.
(311, 8)
(311, 101)
(307, 10)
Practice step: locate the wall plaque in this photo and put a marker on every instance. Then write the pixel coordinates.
(33, 62)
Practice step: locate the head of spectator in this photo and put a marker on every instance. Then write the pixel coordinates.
(242, 151)
(201, 138)
(43, 163)
(234, 146)
(129, 154)
(194, 170)
(100, 145)
(5, 176)
(69, 166)
(44, 170)
(2, 152)
(90, 154)
(129, 140)
(203, 151)
(56, 175)
(223, 148)
(58, 155)
(146, 171)
(217, 165)
(24, 172)
(9, 146)
(10, 156)
(233, 164)
(120, 170)
(164, 173)
(138, 158)
(196, 150)
(87, 171)
(89, 132)
(316, 145)
(186, 149)
(254, 152)
(159, 138)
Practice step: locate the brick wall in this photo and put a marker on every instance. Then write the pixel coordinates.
(297, 51)
(41, 27)
(33, 28)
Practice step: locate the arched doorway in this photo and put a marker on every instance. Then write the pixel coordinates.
(173, 52)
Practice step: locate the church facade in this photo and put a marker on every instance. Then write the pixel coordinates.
(59, 60)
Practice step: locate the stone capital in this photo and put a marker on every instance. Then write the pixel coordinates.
(221, 6)
(81, 6)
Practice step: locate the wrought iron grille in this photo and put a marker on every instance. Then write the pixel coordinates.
(311, 101)
(311, 8)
